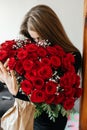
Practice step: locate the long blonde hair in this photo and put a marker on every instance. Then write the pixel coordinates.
(46, 23)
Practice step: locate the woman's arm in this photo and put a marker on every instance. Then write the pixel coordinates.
(8, 77)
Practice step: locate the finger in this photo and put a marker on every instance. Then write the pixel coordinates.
(12, 73)
(6, 63)
(2, 68)
(1, 80)
(15, 86)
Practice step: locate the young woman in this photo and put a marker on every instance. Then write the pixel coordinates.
(42, 23)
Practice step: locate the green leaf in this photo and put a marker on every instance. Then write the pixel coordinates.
(37, 113)
(52, 110)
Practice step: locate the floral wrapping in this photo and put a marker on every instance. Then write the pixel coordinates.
(19, 117)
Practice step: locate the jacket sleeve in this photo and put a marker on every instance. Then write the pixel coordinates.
(78, 61)
(21, 96)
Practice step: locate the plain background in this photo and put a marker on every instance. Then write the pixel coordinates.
(70, 13)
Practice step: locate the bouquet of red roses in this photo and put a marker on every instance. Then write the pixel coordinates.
(45, 73)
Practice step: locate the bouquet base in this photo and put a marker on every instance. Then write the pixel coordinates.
(44, 123)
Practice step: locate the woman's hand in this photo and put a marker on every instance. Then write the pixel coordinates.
(8, 77)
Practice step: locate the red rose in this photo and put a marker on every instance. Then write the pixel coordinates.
(37, 65)
(71, 69)
(45, 72)
(51, 50)
(22, 54)
(12, 53)
(69, 92)
(32, 56)
(19, 68)
(50, 99)
(51, 87)
(66, 87)
(7, 45)
(12, 63)
(3, 55)
(55, 61)
(26, 86)
(45, 61)
(68, 66)
(30, 75)
(68, 104)
(78, 92)
(38, 96)
(27, 65)
(59, 98)
(68, 62)
(38, 83)
(67, 79)
(77, 83)
(69, 58)
(60, 51)
(41, 52)
(31, 47)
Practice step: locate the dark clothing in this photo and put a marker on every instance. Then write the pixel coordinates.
(78, 61)
(44, 123)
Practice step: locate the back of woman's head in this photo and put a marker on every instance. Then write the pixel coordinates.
(43, 20)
